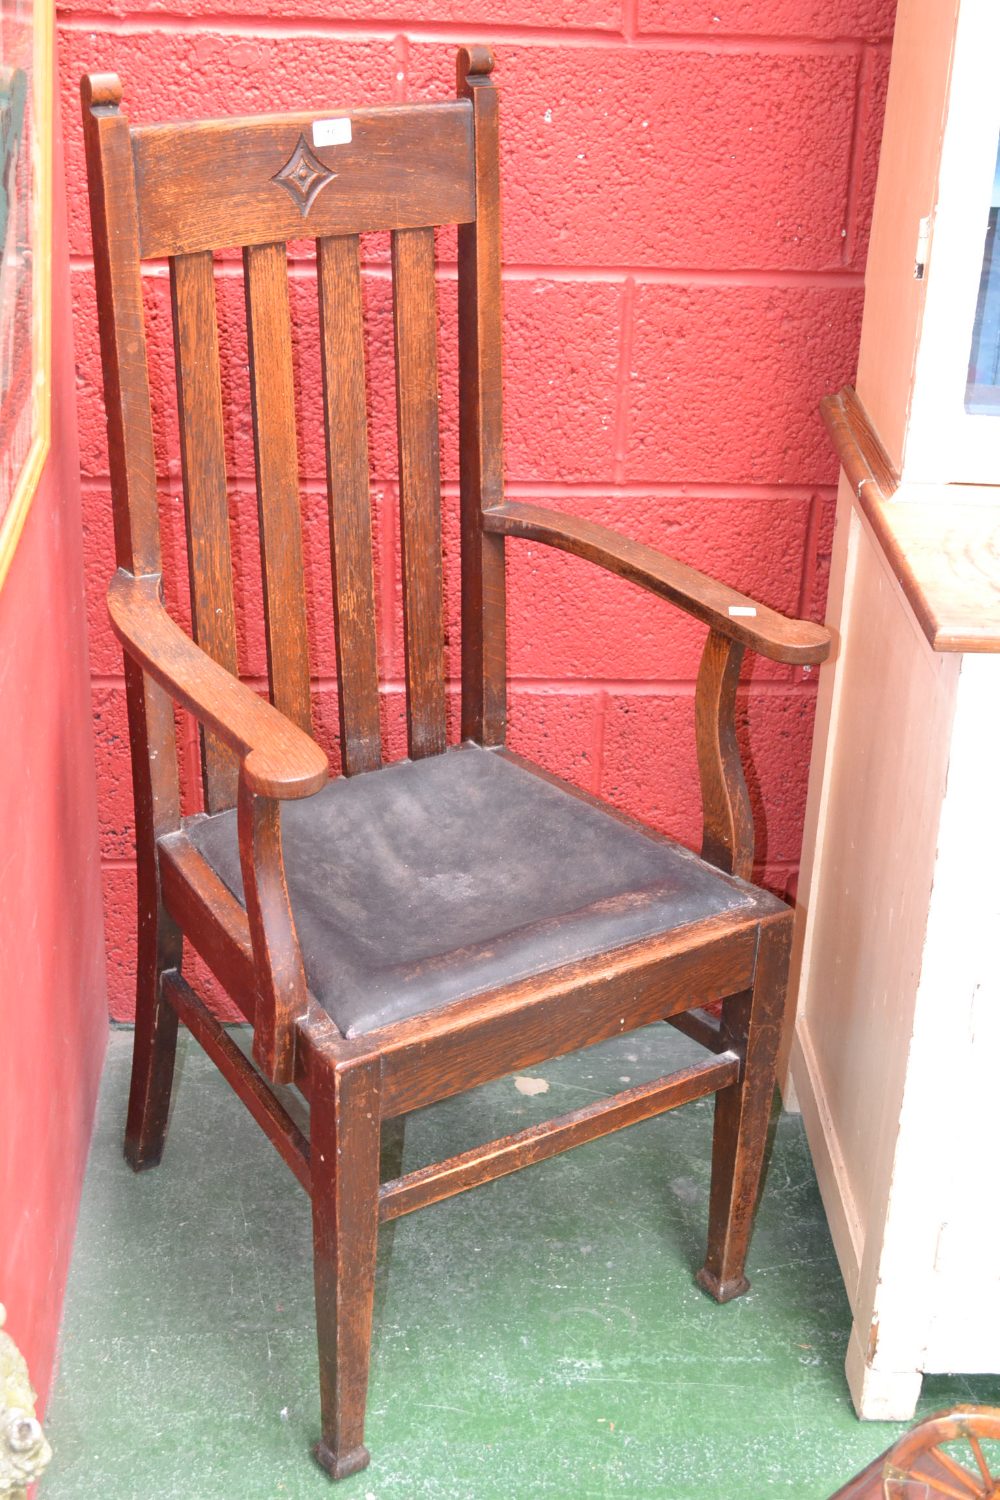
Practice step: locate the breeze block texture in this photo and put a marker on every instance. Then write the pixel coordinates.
(687, 193)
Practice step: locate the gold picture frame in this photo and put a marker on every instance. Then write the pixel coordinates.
(26, 142)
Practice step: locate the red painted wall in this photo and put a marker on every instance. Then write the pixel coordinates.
(53, 1002)
(687, 194)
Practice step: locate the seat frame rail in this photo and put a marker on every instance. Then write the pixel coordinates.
(469, 1169)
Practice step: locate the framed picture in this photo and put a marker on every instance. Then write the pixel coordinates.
(25, 258)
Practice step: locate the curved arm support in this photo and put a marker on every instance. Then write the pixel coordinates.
(282, 995)
(728, 837)
(277, 758)
(730, 614)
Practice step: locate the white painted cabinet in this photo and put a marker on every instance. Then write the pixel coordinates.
(894, 1053)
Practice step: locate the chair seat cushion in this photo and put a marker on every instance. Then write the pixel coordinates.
(432, 880)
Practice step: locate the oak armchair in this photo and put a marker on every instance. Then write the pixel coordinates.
(407, 931)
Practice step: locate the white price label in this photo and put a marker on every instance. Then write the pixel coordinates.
(332, 132)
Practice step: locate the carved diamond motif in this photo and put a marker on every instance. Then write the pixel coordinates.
(303, 176)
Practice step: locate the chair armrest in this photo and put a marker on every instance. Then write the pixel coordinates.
(730, 613)
(278, 759)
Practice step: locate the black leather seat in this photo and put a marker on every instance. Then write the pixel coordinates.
(436, 879)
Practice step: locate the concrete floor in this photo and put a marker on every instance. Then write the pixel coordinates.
(538, 1337)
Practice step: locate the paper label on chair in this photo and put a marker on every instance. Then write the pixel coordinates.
(332, 132)
(742, 609)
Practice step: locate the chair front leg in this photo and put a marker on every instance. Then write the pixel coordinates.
(753, 1022)
(344, 1155)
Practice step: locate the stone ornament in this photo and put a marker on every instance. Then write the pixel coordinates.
(24, 1451)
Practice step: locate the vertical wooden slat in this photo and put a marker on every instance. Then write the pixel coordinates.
(203, 459)
(272, 399)
(484, 630)
(346, 426)
(415, 322)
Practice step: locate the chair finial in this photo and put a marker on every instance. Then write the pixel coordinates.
(101, 90)
(475, 64)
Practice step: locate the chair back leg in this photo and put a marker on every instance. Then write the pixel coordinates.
(752, 1023)
(155, 1027)
(345, 1139)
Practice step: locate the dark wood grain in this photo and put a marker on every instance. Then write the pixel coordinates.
(484, 608)
(464, 1045)
(276, 1123)
(751, 1023)
(702, 1027)
(728, 836)
(184, 190)
(282, 996)
(131, 466)
(156, 798)
(526, 1147)
(211, 183)
(279, 759)
(272, 401)
(206, 509)
(415, 323)
(115, 232)
(767, 632)
(345, 1135)
(346, 427)
(214, 921)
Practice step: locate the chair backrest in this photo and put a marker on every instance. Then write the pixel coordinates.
(185, 191)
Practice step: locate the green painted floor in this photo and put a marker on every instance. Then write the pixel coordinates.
(538, 1337)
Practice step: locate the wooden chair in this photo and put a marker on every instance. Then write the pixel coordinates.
(403, 932)
(954, 1453)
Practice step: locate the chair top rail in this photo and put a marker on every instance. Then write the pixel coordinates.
(209, 184)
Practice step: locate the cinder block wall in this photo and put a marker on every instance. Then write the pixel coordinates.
(687, 191)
